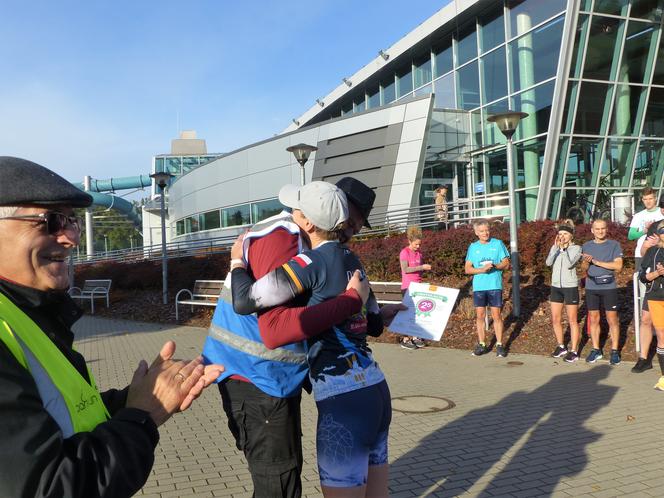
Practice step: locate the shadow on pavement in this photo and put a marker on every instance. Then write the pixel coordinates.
(548, 423)
(90, 328)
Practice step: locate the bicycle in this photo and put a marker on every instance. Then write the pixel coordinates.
(585, 210)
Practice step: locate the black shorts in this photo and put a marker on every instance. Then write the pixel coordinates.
(567, 295)
(606, 298)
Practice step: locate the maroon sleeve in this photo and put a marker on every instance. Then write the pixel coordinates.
(270, 252)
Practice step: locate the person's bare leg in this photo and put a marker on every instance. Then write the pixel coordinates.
(593, 318)
(377, 481)
(480, 315)
(557, 321)
(614, 328)
(497, 324)
(356, 492)
(572, 316)
(645, 334)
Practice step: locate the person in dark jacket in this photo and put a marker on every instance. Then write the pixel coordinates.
(59, 435)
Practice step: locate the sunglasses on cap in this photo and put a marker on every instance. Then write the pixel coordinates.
(55, 222)
(660, 231)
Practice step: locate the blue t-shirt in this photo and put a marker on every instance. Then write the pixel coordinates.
(495, 251)
(339, 359)
(605, 252)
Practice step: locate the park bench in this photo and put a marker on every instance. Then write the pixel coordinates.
(204, 293)
(92, 289)
(387, 292)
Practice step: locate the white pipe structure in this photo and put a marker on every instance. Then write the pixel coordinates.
(89, 234)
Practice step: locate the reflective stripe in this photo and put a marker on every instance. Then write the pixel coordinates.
(255, 348)
(294, 278)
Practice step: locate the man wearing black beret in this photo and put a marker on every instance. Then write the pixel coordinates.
(59, 436)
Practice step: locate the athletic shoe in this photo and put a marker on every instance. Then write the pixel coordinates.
(500, 351)
(559, 352)
(571, 357)
(614, 359)
(660, 384)
(408, 344)
(641, 366)
(595, 354)
(480, 350)
(419, 343)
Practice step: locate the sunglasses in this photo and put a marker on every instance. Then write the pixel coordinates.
(660, 231)
(55, 222)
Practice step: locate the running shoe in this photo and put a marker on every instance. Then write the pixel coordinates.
(595, 354)
(480, 350)
(660, 384)
(408, 344)
(614, 359)
(641, 366)
(500, 351)
(419, 343)
(571, 357)
(559, 352)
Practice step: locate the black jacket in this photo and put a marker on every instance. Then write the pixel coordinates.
(114, 459)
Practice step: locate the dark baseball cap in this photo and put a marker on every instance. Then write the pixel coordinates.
(23, 182)
(359, 194)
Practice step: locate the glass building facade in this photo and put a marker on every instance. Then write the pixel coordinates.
(590, 75)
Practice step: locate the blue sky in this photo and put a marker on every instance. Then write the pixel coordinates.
(96, 87)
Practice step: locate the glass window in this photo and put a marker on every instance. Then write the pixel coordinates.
(422, 70)
(159, 164)
(210, 220)
(617, 163)
(404, 81)
(469, 86)
(346, 108)
(649, 164)
(189, 163)
(179, 227)
(497, 162)
(601, 56)
(207, 159)
(191, 224)
(492, 30)
(172, 165)
(586, 4)
(577, 205)
(476, 128)
(529, 158)
(615, 7)
(444, 90)
(492, 135)
(593, 108)
(537, 103)
(442, 58)
(387, 87)
(264, 209)
(583, 162)
(658, 77)
(647, 9)
(561, 161)
(373, 98)
(579, 43)
(568, 111)
(535, 55)
(524, 14)
(494, 75)
(640, 45)
(466, 44)
(654, 123)
(627, 108)
(236, 215)
(552, 212)
(423, 90)
(359, 103)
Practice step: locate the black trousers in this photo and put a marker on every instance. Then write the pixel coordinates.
(268, 431)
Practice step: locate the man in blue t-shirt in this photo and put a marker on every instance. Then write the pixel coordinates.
(601, 258)
(485, 261)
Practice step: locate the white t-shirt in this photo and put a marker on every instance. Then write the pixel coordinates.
(639, 222)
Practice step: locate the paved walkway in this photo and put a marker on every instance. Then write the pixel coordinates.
(522, 426)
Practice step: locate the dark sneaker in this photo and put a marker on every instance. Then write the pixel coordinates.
(559, 352)
(641, 366)
(614, 359)
(419, 343)
(571, 357)
(408, 344)
(500, 351)
(595, 354)
(480, 350)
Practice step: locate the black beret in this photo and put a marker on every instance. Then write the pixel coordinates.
(23, 182)
(359, 194)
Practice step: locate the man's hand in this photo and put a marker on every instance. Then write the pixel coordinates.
(426, 267)
(361, 285)
(659, 268)
(650, 241)
(587, 258)
(389, 311)
(168, 385)
(487, 266)
(236, 250)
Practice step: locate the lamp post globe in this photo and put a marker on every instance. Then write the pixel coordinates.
(302, 152)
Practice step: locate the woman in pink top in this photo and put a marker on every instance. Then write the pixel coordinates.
(412, 267)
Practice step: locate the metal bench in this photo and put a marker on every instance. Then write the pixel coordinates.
(205, 293)
(387, 292)
(92, 289)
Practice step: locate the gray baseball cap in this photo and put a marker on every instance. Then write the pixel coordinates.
(323, 204)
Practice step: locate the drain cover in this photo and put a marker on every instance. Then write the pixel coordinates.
(514, 363)
(421, 404)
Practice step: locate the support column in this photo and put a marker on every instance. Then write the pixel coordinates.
(89, 234)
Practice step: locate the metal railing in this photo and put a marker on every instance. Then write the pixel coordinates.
(459, 212)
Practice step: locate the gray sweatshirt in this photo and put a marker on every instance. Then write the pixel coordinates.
(563, 273)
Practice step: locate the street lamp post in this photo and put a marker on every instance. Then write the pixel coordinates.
(162, 179)
(507, 123)
(301, 153)
(105, 243)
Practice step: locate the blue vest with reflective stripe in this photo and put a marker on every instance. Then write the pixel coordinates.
(235, 342)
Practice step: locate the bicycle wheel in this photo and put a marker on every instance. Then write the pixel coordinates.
(576, 214)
